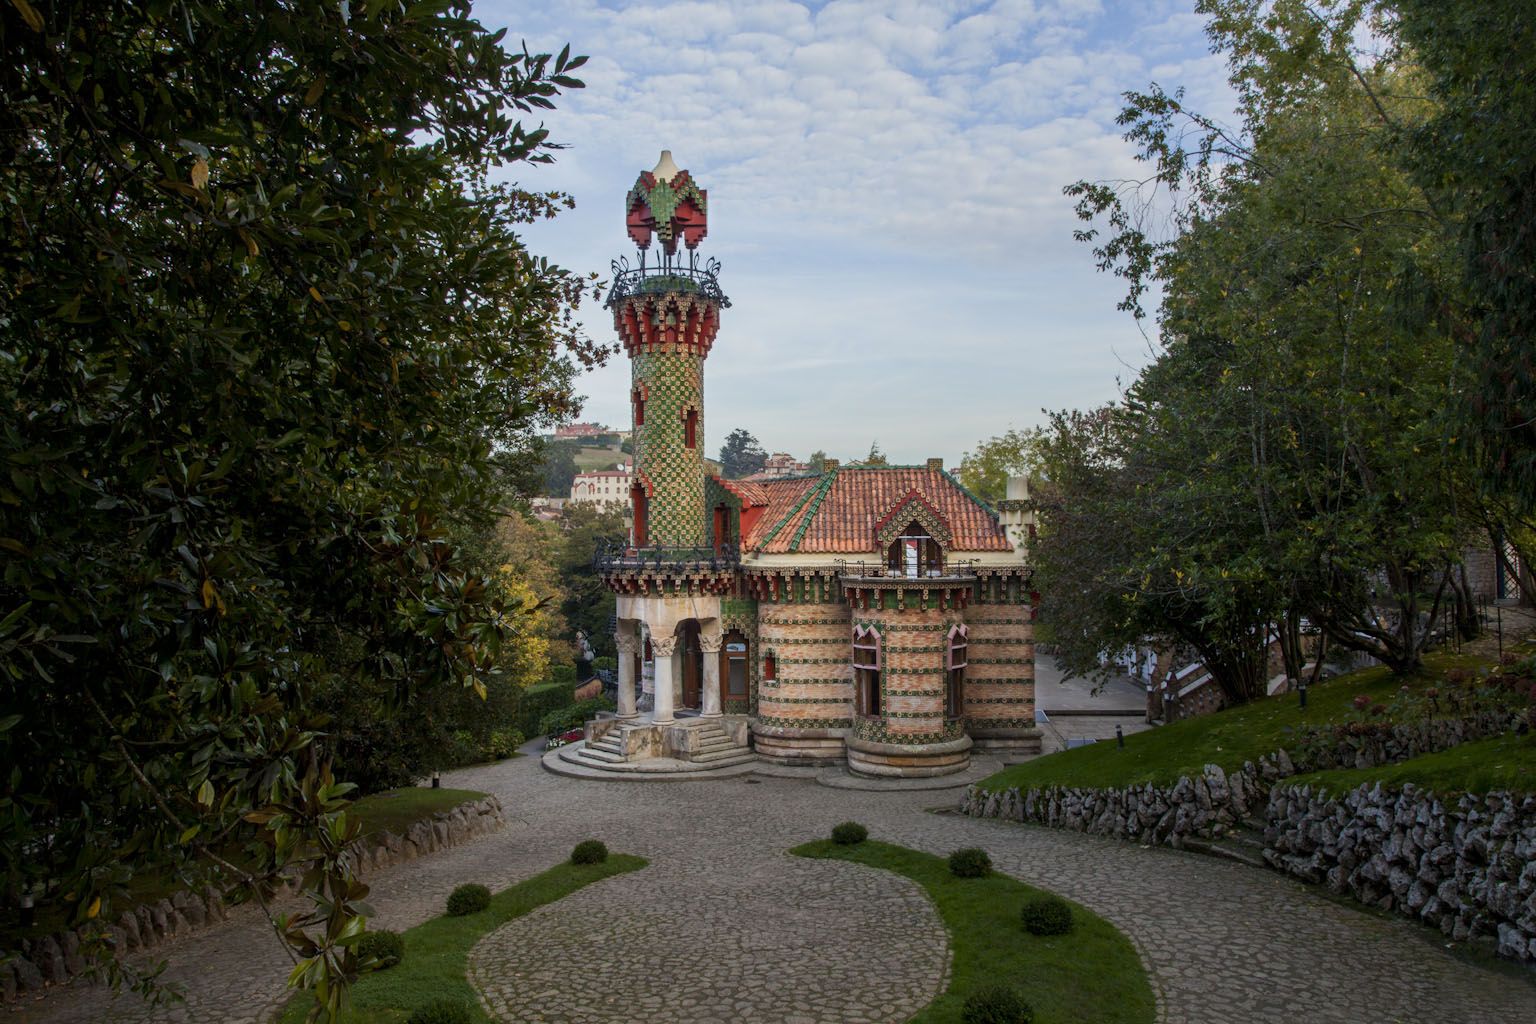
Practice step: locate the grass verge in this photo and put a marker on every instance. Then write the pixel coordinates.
(1226, 738)
(1505, 762)
(437, 951)
(1091, 975)
(396, 810)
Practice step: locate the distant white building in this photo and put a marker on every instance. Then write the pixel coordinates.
(604, 487)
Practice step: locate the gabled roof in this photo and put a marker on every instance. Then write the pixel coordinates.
(750, 493)
(837, 512)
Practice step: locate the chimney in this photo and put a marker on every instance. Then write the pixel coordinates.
(937, 465)
(828, 465)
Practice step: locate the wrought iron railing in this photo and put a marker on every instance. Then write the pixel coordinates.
(669, 275)
(610, 556)
(949, 569)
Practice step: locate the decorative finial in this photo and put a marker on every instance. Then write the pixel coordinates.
(666, 167)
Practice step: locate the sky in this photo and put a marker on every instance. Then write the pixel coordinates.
(885, 197)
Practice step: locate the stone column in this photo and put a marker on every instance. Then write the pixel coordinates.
(629, 645)
(663, 650)
(710, 644)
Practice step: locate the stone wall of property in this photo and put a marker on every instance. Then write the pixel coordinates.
(1000, 676)
(54, 959)
(1364, 842)
(1467, 868)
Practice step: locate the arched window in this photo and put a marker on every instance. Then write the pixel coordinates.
(637, 501)
(639, 400)
(691, 428)
(915, 553)
(954, 677)
(866, 671)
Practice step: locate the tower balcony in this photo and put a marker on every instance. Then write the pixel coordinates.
(667, 276)
(628, 569)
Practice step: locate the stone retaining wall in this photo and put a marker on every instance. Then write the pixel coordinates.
(54, 959)
(1467, 868)
(1354, 844)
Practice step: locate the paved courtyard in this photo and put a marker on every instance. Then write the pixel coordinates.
(723, 926)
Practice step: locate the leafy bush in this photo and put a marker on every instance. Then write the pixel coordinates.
(997, 1004)
(468, 898)
(611, 664)
(589, 851)
(538, 701)
(1046, 915)
(442, 1011)
(565, 674)
(573, 716)
(501, 743)
(849, 833)
(385, 947)
(971, 862)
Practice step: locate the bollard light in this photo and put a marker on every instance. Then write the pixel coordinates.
(437, 780)
(1303, 694)
(1119, 737)
(28, 909)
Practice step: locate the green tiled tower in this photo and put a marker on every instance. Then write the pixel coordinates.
(667, 312)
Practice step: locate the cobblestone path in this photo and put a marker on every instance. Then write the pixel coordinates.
(723, 924)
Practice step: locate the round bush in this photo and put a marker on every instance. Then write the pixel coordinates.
(1000, 1004)
(589, 851)
(385, 947)
(849, 833)
(468, 899)
(442, 1011)
(1046, 915)
(970, 862)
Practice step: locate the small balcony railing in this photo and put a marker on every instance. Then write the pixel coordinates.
(949, 570)
(610, 556)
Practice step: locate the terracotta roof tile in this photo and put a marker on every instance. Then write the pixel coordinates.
(838, 511)
(750, 493)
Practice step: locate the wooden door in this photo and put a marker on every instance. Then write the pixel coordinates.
(733, 670)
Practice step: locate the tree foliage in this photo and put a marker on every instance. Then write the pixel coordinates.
(986, 470)
(741, 455)
(1291, 452)
(272, 354)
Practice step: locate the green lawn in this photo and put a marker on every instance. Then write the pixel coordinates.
(589, 459)
(396, 810)
(1226, 738)
(1505, 762)
(437, 951)
(1091, 975)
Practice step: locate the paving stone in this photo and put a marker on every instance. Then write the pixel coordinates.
(723, 924)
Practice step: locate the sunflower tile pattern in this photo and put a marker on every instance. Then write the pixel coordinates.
(674, 385)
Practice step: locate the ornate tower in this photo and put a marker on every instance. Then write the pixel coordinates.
(666, 311)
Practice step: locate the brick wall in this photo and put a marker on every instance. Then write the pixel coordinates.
(673, 383)
(810, 642)
(912, 649)
(1000, 680)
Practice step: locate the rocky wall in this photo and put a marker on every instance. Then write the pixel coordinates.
(1467, 867)
(54, 959)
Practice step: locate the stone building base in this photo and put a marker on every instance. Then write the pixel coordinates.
(900, 760)
(1006, 743)
(808, 747)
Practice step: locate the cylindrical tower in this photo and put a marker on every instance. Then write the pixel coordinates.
(666, 313)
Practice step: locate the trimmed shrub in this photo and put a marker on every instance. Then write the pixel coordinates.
(538, 701)
(442, 1011)
(1046, 915)
(589, 851)
(971, 862)
(849, 833)
(572, 716)
(997, 1004)
(387, 948)
(468, 899)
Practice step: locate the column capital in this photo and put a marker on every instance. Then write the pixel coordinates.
(628, 643)
(710, 642)
(664, 647)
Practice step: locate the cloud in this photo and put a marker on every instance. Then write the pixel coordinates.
(928, 140)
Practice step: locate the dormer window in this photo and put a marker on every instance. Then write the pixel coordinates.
(915, 553)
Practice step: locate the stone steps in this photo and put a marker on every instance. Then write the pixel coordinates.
(715, 748)
(1241, 845)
